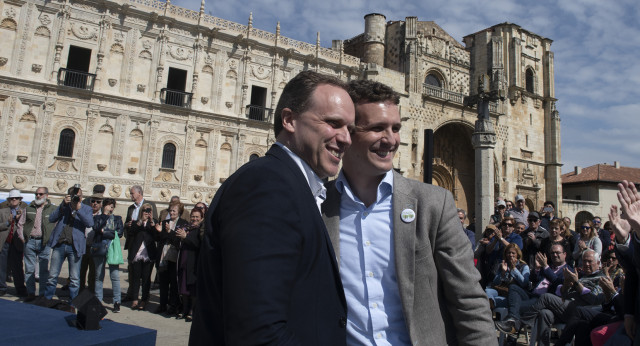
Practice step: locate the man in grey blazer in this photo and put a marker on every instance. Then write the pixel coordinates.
(405, 264)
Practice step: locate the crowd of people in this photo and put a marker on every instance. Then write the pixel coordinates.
(86, 233)
(547, 273)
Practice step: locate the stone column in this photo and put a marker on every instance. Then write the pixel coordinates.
(45, 135)
(92, 118)
(483, 140)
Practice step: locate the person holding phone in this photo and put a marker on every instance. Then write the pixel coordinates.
(142, 254)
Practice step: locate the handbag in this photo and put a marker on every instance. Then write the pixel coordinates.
(100, 248)
(169, 254)
(114, 254)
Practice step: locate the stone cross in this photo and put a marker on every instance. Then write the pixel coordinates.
(483, 140)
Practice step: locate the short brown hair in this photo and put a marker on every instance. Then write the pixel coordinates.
(297, 94)
(180, 206)
(364, 91)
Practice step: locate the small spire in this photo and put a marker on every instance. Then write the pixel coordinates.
(278, 29)
(250, 19)
(202, 6)
(318, 38)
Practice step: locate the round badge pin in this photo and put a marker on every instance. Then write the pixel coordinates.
(408, 215)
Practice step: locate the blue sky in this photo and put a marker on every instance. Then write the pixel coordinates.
(596, 45)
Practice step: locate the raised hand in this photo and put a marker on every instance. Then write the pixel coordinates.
(620, 226)
(629, 199)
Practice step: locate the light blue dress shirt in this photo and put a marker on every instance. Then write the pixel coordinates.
(367, 268)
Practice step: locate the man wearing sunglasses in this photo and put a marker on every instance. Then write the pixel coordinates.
(12, 243)
(37, 231)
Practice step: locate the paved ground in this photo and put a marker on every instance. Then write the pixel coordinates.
(170, 331)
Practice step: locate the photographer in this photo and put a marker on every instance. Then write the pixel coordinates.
(68, 240)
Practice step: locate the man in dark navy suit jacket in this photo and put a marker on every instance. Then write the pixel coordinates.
(267, 273)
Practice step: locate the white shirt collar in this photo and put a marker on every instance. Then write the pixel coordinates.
(315, 183)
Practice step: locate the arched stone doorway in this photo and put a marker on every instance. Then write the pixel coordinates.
(454, 163)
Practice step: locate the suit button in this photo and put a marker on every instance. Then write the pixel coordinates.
(342, 322)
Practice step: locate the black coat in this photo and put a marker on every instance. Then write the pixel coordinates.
(139, 234)
(267, 272)
(190, 247)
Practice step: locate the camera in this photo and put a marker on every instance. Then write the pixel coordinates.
(547, 210)
(73, 192)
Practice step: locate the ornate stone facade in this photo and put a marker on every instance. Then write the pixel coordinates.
(176, 100)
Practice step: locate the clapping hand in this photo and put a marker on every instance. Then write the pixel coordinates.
(541, 260)
(607, 284)
(629, 199)
(569, 276)
(504, 266)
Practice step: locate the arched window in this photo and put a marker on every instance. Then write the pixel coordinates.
(529, 80)
(253, 157)
(65, 145)
(168, 155)
(433, 80)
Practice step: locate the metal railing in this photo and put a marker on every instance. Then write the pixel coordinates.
(434, 91)
(76, 79)
(175, 98)
(258, 113)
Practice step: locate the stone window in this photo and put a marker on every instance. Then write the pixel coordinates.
(253, 157)
(66, 142)
(529, 81)
(433, 80)
(168, 156)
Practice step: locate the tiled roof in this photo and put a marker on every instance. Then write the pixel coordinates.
(603, 173)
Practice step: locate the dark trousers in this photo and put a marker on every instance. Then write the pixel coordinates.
(141, 270)
(169, 285)
(517, 299)
(581, 323)
(548, 310)
(87, 265)
(11, 260)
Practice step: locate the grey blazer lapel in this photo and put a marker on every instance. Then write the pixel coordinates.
(404, 237)
(331, 216)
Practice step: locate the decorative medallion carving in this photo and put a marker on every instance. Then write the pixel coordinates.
(113, 82)
(165, 195)
(60, 185)
(260, 72)
(22, 158)
(36, 68)
(115, 190)
(196, 197)
(146, 44)
(83, 32)
(3, 61)
(4, 180)
(20, 182)
(71, 111)
(180, 53)
(204, 100)
(101, 167)
(141, 88)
